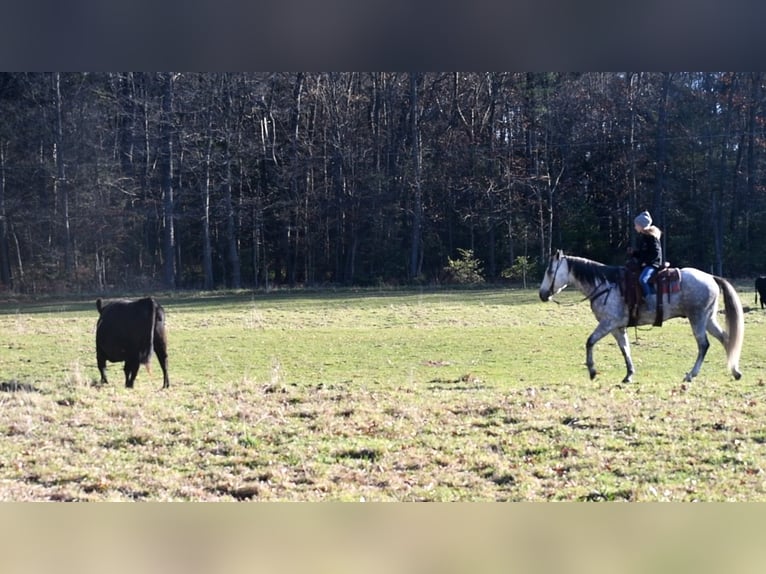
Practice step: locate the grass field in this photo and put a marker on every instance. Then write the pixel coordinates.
(377, 395)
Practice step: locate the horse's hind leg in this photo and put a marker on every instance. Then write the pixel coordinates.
(621, 335)
(702, 345)
(715, 329)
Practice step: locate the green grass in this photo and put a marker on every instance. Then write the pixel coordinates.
(376, 395)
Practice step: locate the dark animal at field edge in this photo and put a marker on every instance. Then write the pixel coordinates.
(760, 289)
(129, 331)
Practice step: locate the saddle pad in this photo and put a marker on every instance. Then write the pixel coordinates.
(669, 280)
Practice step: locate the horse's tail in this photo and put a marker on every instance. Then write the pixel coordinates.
(735, 325)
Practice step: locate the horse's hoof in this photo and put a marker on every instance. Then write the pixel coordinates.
(593, 375)
(628, 379)
(737, 375)
(688, 378)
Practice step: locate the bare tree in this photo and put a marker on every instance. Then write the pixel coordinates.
(417, 203)
(6, 278)
(60, 185)
(166, 174)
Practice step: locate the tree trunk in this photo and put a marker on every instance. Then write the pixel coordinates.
(659, 182)
(720, 187)
(750, 169)
(207, 250)
(235, 273)
(60, 183)
(632, 182)
(166, 170)
(5, 263)
(417, 208)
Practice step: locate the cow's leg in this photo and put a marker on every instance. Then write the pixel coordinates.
(101, 360)
(164, 365)
(131, 370)
(160, 349)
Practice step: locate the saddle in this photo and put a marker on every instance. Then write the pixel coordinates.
(665, 281)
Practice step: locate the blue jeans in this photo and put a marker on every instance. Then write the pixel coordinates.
(646, 274)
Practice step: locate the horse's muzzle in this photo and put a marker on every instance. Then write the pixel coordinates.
(545, 295)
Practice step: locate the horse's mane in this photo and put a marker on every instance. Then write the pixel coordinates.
(593, 272)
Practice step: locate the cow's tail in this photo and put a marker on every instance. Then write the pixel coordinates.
(145, 355)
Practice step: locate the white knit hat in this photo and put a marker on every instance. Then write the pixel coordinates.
(643, 219)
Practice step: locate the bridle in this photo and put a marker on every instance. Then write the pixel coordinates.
(590, 297)
(551, 289)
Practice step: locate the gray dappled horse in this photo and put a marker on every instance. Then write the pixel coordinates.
(697, 300)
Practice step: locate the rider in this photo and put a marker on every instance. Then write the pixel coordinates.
(649, 251)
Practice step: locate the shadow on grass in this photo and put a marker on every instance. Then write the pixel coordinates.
(13, 386)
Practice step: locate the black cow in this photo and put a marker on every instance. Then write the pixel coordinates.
(128, 331)
(760, 289)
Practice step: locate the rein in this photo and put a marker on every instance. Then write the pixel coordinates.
(605, 291)
(590, 297)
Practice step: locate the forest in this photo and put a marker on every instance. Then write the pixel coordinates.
(133, 181)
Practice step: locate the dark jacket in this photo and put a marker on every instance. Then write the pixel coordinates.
(649, 251)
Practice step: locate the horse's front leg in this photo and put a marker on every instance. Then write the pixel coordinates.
(601, 331)
(621, 336)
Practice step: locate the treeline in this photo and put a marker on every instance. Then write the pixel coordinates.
(133, 181)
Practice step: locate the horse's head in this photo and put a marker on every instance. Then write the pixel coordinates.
(556, 276)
